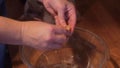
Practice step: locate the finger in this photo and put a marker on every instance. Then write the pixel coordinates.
(49, 9)
(60, 30)
(67, 28)
(61, 18)
(57, 22)
(72, 16)
(59, 39)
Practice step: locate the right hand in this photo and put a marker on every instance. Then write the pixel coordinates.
(43, 36)
(64, 10)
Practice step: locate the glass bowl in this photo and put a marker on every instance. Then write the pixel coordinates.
(84, 49)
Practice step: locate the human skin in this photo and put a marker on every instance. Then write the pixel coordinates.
(63, 10)
(36, 34)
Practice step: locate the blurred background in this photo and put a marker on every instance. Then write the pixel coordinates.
(102, 17)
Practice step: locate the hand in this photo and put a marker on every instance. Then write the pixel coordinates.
(43, 36)
(63, 10)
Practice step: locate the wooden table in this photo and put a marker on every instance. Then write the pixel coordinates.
(102, 18)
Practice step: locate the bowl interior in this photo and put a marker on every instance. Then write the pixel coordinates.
(84, 49)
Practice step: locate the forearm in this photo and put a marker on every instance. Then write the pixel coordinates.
(10, 31)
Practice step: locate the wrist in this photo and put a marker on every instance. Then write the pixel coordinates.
(11, 31)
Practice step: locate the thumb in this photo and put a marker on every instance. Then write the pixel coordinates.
(61, 17)
(50, 10)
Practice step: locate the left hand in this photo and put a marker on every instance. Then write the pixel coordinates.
(63, 10)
